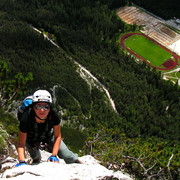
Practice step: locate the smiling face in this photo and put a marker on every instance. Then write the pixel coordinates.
(41, 110)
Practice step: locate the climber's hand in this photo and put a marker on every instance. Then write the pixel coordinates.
(21, 163)
(53, 158)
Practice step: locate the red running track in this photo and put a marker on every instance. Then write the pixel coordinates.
(168, 65)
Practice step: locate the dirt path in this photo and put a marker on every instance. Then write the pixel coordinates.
(86, 75)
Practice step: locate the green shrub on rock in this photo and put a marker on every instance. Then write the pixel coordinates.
(3, 139)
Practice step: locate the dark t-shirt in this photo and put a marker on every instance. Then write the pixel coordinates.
(38, 132)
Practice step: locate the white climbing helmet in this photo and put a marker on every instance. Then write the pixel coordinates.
(42, 96)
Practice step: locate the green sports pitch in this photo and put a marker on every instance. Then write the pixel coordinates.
(147, 49)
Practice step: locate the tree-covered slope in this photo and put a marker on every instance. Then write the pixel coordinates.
(164, 8)
(87, 32)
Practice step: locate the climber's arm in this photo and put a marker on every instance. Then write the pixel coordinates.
(21, 146)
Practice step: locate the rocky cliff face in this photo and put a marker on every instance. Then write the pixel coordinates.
(91, 169)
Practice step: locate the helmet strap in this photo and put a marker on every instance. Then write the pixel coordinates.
(40, 118)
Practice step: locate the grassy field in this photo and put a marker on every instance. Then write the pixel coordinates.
(174, 74)
(147, 49)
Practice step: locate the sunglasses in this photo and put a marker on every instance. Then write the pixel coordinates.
(45, 107)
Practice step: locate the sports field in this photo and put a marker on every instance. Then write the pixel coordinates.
(149, 51)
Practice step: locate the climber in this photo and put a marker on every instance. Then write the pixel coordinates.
(39, 129)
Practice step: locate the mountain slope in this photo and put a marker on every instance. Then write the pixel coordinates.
(141, 97)
(87, 32)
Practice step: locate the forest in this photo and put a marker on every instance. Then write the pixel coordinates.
(164, 9)
(147, 119)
